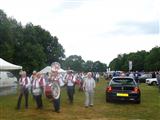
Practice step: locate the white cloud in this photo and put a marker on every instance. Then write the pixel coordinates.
(84, 26)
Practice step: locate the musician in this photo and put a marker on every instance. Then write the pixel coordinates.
(70, 82)
(24, 83)
(55, 77)
(38, 85)
(33, 76)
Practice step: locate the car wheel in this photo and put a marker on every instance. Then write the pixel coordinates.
(107, 99)
(154, 83)
(138, 101)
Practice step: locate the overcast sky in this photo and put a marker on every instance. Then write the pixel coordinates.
(93, 29)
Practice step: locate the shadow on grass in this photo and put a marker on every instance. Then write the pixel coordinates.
(122, 102)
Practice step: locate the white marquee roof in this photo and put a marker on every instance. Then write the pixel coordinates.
(4, 65)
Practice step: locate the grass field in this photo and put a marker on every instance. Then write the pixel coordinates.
(149, 109)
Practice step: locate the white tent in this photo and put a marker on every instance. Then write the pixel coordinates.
(4, 65)
(48, 69)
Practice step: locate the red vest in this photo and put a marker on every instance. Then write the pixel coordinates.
(41, 82)
(26, 80)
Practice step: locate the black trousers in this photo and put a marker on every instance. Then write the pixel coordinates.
(70, 92)
(25, 93)
(56, 104)
(38, 99)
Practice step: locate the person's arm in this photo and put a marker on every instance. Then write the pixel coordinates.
(65, 79)
(20, 81)
(44, 82)
(43, 86)
(29, 83)
(73, 79)
(61, 81)
(84, 85)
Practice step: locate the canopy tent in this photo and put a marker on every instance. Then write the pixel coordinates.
(4, 65)
(48, 69)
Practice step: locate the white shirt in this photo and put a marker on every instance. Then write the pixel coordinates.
(69, 79)
(89, 84)
(36, 83)
(97, 75)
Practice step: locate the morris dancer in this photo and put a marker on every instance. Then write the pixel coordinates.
(69, 80)
(55, 77)
(24, 83)
(38, 85)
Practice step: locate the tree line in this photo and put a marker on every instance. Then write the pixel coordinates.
(141, 61)
(34, 48)
(76, 63)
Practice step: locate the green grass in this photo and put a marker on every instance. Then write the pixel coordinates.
(149, 109)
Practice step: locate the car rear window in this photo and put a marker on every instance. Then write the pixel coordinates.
(124, 81)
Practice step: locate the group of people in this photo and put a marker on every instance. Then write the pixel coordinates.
(37, 84)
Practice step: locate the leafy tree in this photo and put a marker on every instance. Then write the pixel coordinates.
(30, 46)
(142, 61)
(99, 67)
(152, 61)
(54, 51)
(138, 60)
(74, 62)
(88, 66)
(115, 64)
(6, 38)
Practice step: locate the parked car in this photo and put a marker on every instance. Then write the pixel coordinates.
(143, 77)
(7, 79)
(123, 88)
(152, 81)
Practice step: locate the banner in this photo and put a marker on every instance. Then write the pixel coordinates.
(130, 65)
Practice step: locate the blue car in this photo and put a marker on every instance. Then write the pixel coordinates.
(123, 89)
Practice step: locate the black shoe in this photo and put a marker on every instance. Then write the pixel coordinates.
(39, 107)
(17, 108)
(71, 102)
(57, 111)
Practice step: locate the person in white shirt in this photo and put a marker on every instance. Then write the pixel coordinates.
(70, 82)
(88, 87)
(97, 77)
(33, 76)
(38, 85)
(158, 79)
(24, 84)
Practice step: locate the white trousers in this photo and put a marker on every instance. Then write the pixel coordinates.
(89, 98)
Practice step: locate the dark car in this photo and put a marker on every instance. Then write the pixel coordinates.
(123, 88)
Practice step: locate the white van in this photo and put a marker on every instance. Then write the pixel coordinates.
(7, 79)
